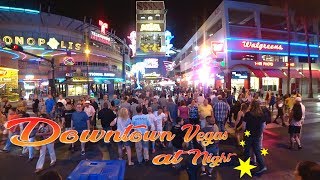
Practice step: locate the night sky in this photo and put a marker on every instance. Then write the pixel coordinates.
(184, 17)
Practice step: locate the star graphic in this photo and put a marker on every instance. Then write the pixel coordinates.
(245, 167)
(53, 43)
(242, 143)
(264, 152)
(247, 133)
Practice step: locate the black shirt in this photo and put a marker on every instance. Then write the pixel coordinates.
(67, 117)
(254, 124)
(107, 116)
(35, 105)
(178, 140)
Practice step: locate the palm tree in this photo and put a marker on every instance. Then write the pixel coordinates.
(286, 6)
(305, 14)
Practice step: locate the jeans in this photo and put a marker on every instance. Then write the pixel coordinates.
(42, 155)
(7, 147)
(255, 144)
(202, 123)
(220, 125)
(142, 145)
(29, 148)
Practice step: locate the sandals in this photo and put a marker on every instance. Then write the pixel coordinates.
(130, 163)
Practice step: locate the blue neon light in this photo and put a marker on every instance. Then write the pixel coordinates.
(16, 56)
(273, 53)
(46, 52)
(276, 42)
(13, 9)
(31, 48)
(103, 78)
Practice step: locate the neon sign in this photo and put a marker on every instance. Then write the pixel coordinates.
(68, 61)
(261, 46)
(101, 74)
(53, 43)
(291, 64)
(103, 26)
(268, 64)
(99, 37)
(151, 75)
(133, 45)
(168, 37)
(150, 27)
(151, 63)
(217, 47)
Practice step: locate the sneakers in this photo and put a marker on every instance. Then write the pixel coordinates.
(203, 173)
(52, 163)
(209, 174)
(299, 147)
(83, 153)
(261, 171)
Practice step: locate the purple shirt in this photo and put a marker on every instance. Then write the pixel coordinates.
(184, 114)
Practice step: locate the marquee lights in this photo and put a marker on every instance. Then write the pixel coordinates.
(53, 43)
(150, 27)
(261, 46)
(103, 26)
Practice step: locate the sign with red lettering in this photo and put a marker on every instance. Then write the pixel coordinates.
(261, 63)
(291, 64)
(217, 47)
(103, 26)
(100, 38)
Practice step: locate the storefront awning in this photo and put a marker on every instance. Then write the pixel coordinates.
(315, 73)
(258, 73)
(293, 73)
(275, 73)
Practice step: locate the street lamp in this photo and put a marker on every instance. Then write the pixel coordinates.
(87, 52)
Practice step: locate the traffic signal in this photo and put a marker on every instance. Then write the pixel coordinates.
(15, 47)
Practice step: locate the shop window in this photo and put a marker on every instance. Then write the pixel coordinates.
(241, 17)
(77, 90)
(245, 32)
(305, 59)
(275, 35)
(273, 22)
(214, 28)
(244, 56)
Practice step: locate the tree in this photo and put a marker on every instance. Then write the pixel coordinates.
(285, 4)
(305, 13)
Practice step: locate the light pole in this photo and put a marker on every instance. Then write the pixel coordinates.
(87, 52)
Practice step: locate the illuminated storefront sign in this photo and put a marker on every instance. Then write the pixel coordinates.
(68, 61)
(151, 75)
(151, 63)
(239, 75)
(103, 26)
(52, 43)
(95, 74)
(261, 46)
(100, 38)
(269, 47)
(268, 64)
(291, 64)
(9, 78)
(150, 27)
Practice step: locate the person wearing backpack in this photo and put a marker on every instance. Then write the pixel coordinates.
(296, 119)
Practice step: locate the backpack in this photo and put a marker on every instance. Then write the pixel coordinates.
(267, 115)
(297, 112)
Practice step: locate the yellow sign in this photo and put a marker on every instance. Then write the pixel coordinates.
(9, 78)
(53, 43)
(150, 27)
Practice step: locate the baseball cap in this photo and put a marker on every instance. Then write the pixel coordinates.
(87, 102)
(298, 99)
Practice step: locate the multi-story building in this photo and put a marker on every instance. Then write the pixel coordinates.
(64, 41)
(246, 45)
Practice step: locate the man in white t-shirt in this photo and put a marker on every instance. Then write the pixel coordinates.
(62, 100)
(90, 111)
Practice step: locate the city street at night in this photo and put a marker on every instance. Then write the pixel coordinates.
(160, 89)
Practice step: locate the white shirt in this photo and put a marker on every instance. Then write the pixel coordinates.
(159, 119)
(153, 120)
(89, 111)
(63, 101)
(299, 123)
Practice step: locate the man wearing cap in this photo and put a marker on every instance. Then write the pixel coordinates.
(90, 111)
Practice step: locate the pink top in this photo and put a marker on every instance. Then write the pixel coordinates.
(184, 114)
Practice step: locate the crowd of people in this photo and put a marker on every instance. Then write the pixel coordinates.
(213, 111)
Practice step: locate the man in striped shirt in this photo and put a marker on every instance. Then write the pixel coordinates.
(221, 110)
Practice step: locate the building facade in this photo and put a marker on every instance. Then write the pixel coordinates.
(246, 45)
(64, 41)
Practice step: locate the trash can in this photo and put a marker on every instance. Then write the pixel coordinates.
(99, 170)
